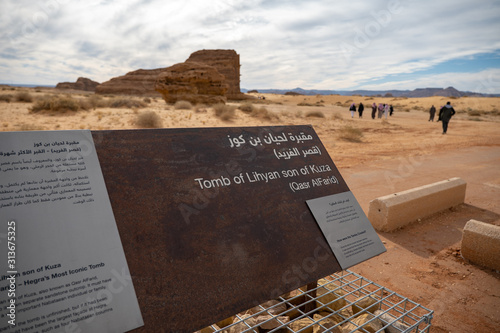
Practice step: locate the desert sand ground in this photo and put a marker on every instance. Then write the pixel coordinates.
(423, 260)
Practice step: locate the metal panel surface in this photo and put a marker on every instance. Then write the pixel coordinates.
(197, 254)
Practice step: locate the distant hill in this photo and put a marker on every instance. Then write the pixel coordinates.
(420, 92)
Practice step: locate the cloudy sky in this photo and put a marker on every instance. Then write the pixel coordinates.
(312, 44)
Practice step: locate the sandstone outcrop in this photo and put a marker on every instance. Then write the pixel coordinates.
(82, 83)
(192, 81)
(140, 83)
(227, 62)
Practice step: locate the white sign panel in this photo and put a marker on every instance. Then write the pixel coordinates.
(62, 264)
(346, 228)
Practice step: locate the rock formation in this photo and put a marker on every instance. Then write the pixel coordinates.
(227, 63)
(140, 82)
(82, 83)
(192, 81)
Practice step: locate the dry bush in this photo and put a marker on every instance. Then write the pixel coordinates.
(200, 108)
(337, 116)
(148, 119)
(6, 98)
(474, 113)
(246, 107)
(58, 104)
(96, 101)
(263, 113)
(127, 103)
(315, 114)
(224, 112)
(183, 105)
(146, 100)
(24, 96)
(351, 134)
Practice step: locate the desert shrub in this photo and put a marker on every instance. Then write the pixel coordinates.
(473, 113)
(183, 105)
(96, 101)
(6, 98)
(127, 103)
(315, 114)
(224, 111)
(337, 116)
(246, 107)
(148, 119)
(475, 119)
(351, 134)
(58, 104)
(84, 104)
(263, 113)
(24, 96)
(146, 100)
(200, 108)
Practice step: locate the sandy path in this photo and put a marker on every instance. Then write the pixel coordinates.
(422, 261)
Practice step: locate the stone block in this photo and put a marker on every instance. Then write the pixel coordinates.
(481, 244)
(396, 210)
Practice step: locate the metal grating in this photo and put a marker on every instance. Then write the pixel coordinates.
(339, 293)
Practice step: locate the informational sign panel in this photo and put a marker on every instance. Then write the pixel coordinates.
(214, 220)
(63, 268)
(348, 231)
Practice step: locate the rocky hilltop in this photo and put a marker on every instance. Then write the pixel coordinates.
(227, 62)
(142, 82)
(193, 82)
(82, 83)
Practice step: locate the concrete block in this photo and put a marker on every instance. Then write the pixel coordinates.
(481, 244)
(396, 210)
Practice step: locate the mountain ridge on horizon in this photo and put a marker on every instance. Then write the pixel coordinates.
(418, 92)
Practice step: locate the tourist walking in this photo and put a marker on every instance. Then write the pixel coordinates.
(445, 115)
(352, 109)
(391, 110)
(374, 110)
(386, 110)
(432, 112)
(380, 110)
(361, 109)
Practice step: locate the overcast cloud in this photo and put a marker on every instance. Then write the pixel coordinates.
(329, 44)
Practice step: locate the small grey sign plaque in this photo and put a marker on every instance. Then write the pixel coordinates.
(346, 228)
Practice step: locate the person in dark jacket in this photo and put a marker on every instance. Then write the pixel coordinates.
(445, 115)
(352, 109)
(432, 112)
(374, 110)
(360, 110)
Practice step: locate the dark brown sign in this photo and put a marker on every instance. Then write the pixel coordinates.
(214, 221)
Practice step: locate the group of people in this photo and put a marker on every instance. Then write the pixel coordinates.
(383, 110)
(445, 114)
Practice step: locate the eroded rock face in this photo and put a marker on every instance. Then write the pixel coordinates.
(82, 83)
(192, 81)
(227, 62)
(140, 83)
